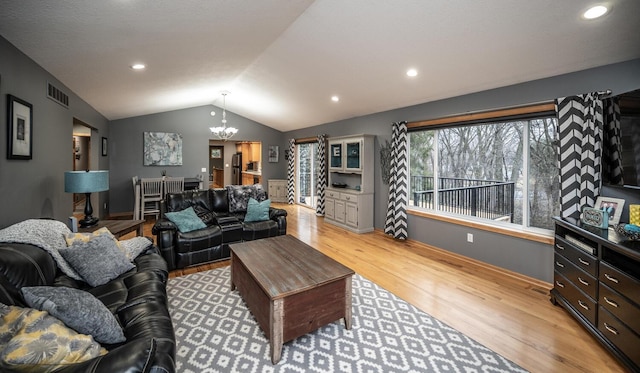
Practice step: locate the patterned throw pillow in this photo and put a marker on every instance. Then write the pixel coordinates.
(239, 196)
(98, 261)
(134, 246)
(77, 309)
(257, 211)
(34, 341)
(71, 238)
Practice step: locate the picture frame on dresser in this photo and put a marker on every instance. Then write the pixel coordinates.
(613, 207)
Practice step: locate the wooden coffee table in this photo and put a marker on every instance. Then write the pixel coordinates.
(290, 288)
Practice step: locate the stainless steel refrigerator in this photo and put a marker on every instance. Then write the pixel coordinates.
(236, 169)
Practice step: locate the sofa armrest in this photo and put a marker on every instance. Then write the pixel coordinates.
(163, 224)
(275, 212)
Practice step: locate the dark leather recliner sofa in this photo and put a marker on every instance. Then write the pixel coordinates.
(223, 211)
(137, 298)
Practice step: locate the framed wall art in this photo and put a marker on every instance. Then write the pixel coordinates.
(162, 149)
(20, 128)
(612, 206)
(216, 153)
(105, 146)
(274, 151)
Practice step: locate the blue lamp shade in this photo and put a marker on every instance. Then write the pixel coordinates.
(86, 181)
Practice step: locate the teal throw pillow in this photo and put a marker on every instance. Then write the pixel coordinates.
(186, 220)
(257, 211)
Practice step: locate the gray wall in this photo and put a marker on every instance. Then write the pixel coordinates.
(522, 256)
(35, 188)
(126, 144)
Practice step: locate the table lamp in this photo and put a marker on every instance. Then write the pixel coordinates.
(86, 182)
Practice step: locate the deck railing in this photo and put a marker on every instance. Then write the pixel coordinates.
(487, 199)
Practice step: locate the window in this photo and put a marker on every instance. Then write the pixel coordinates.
(496, 169)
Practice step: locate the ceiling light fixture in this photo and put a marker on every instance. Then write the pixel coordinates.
(138, 66)
(335, 98)
(412, 72)
(223, 132)
(595, 12)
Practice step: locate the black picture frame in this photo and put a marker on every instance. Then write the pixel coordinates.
(105, 146)
(19, 129)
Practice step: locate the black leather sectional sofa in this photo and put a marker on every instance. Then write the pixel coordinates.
(223, 210)
(137, 299)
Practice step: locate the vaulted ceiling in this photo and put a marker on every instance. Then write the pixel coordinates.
(283, 60)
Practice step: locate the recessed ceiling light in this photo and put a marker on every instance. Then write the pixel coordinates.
(138, 66)
(335, 98)
(412, 72)
(595, 12)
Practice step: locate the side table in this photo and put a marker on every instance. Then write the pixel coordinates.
(117, 227)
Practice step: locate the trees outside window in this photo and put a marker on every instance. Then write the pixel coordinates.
(500, 171)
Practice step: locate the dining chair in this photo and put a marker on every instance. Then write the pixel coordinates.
(150, 196)
(173, 185)
(136, 198)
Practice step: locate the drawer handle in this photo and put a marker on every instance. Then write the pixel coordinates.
(560, 284)
(584, 262)
(611, 329)
(560, 246)
(583, 282)
(611, 278)
(611, 302)
(583, 305)
(559, 264)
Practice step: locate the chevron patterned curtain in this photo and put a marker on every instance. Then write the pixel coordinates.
(291, 172)
(322, 174)
(396, 223)
(611, 152)
(580, 138)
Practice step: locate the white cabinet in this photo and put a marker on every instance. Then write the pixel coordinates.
(350, 190)
(278, 190)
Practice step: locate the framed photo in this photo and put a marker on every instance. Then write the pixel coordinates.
(216, 153)
(20, 128)
(613, 206)
(274, 151)
(105, 146)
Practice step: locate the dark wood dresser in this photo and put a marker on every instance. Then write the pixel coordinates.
(597, 280)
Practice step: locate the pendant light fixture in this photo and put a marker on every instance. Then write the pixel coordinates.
(223, 132)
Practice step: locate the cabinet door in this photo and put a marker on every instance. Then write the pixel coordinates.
(335, 155)
(351, 214)
(273, 191)
(281, 192)
(353, 149)
(329, 208)
(339, 211)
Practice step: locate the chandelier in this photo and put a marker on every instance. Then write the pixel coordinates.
(223, 132)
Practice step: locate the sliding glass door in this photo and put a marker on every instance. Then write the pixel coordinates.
(307, 173)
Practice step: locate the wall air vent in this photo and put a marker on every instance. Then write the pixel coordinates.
(57, 95)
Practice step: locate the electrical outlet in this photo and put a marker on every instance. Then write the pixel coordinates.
(105, 206)
(204, 169)
(470, 237)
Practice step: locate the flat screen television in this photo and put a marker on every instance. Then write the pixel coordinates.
(622, 167)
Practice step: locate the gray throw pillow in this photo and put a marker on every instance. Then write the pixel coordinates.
(98, 261)
(239, 196)
(78, 309)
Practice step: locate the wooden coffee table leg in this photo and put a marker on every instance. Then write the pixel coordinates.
(276, 325)
(347, 310)
(233, 285)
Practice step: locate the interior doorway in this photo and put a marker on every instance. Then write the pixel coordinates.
(216, 166)
(81, 157)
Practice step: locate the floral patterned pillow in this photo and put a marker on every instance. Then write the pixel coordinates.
(239, 196)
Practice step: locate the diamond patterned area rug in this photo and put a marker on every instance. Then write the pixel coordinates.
(216, 332)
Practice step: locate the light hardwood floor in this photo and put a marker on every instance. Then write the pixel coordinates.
(503, 311)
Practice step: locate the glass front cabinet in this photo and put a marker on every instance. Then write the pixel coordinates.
(349, 196)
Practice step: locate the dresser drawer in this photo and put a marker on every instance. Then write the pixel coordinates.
(620, 307)
(332, 194)
(579, 257)
(349, 197)
(616, 332)
(620, 282)
(584, 281)
(578, 300)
